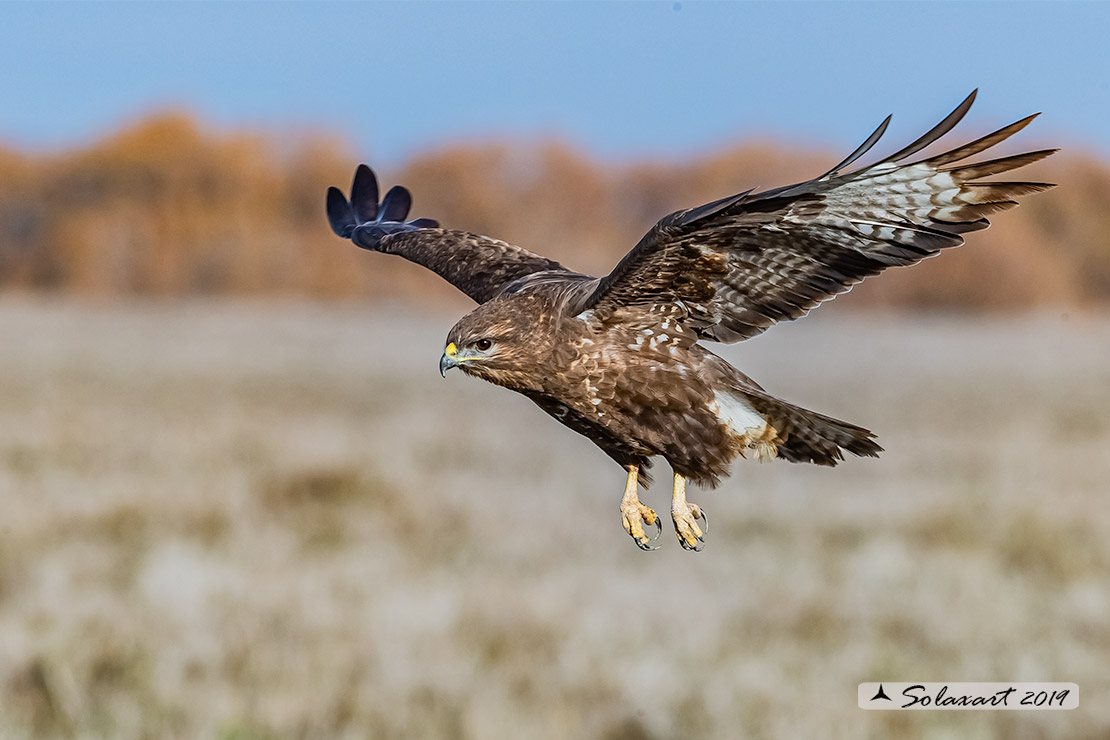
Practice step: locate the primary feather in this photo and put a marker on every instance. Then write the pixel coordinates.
(737, 270)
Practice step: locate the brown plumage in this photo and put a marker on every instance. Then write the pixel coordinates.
(617, 358)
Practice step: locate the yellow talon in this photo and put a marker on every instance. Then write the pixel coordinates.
(685, 516)
(635, 514)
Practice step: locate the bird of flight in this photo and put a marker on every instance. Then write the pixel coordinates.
(618, 358)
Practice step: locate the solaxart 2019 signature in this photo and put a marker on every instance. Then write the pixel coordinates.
(967, 695)
(1009, 696)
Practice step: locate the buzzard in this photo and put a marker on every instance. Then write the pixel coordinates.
(618, 358)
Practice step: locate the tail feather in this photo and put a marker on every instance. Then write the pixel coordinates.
(807, 436)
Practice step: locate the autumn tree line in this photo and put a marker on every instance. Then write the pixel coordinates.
(169, 208)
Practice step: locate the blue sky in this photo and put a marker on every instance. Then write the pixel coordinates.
(622, 80)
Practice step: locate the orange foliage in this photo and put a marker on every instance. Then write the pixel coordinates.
(168, 208)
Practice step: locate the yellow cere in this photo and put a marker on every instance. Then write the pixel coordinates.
(451, 350)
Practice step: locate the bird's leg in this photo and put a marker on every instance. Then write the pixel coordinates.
(634, 514)
(685, 516)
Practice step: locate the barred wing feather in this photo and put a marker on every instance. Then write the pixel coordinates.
(733, 268)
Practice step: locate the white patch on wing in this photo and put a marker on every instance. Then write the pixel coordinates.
(748, 428)
(740, 418)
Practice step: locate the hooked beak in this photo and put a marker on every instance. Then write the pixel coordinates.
(449, 359)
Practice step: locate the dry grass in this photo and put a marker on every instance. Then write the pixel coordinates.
(251, 522)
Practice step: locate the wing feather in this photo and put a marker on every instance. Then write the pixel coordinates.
(998, 166)
(937, 131)
(862, 149)
(364, 196)
(477, 265)
(733, 268)
(981, 144)
(396, 204)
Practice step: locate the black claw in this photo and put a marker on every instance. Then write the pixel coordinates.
(695, 548)
(704, 530)
(644, 545)
(658, 529)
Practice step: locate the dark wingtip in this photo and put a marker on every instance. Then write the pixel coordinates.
(969, 100)
(340, 215)
(686, 218)
(396, 204)
(363, 220)
(937, 131)
(364, 194)
(862, 149)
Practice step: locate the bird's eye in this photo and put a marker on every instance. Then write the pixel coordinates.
(483, 344)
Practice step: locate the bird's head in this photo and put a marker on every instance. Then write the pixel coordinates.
(503, 341)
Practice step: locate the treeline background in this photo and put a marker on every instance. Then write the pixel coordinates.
(170, 207)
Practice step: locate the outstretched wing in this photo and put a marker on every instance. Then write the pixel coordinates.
(732, 268)
(476, 265)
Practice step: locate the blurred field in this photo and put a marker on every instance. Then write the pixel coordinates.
(252, 521)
